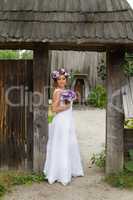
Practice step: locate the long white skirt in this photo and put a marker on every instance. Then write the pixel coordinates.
(63, 154)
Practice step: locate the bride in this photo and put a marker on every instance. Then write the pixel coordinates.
(63, 154)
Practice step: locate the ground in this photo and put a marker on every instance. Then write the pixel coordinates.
(90, 129)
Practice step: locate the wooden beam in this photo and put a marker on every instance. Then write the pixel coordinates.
(114, 112)
(40, 107)
(89, 45)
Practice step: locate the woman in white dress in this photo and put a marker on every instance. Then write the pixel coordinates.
(63, 154)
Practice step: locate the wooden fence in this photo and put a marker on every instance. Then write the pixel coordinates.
(16, 132)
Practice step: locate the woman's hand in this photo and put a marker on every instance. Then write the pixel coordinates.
(56, 107)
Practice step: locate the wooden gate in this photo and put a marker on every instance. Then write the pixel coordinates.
(16, 116)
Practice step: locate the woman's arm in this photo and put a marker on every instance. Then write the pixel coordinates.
(55, 103)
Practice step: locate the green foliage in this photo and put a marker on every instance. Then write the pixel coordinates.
(2, 190)
(50, 118)
(101, 70)
(121, 179)
(129, 164)
(98, 97)
(27, 55)
(50, 114)
(128, 123)
(10, 178)
(9, 54)
(26, 179)
(127, 67)
(16, 54)
(99, 159)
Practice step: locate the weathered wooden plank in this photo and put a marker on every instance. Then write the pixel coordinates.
(58, 5)
(29, 114)
(66, 17)
(40, 107)
(70, 17)
(114, 112)
(13, 130)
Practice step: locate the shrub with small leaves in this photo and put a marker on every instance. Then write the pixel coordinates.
(101, 70)
(2, 190)
(99, 159)
(127, 67)
(98, 97)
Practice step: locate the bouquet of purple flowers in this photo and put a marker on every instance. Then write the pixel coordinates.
(68, 95)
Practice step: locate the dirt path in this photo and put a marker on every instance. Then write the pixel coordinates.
(90, 127)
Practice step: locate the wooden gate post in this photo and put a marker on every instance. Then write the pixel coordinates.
(40, 107)
(114, 112)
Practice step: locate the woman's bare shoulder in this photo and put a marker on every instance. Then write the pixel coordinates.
(57, 90)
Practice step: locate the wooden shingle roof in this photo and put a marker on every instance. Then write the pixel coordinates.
(80, 21)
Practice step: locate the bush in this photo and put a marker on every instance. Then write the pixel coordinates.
(127, 67)
(129, 164)
(2, 190)
(98, 97)
(101, 70)
(9, 54)
(121, 179)
(99, 159)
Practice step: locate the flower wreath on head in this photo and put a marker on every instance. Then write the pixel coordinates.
(56, 73)
(68, 94)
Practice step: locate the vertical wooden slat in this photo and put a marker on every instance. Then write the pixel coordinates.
(40, 81)
(13, 131)
(29, 116)
(114, 112)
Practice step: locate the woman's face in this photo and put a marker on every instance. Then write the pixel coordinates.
(61, 81)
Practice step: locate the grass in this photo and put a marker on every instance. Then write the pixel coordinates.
(122, 180)
(8, 179)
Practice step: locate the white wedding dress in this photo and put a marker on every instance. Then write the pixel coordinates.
(63, 154)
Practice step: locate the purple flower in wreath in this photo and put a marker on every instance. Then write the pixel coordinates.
(62, 71)
(56, 73)
(68, 95)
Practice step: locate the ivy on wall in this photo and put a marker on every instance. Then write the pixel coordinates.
(127, 65)
(101, 70)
